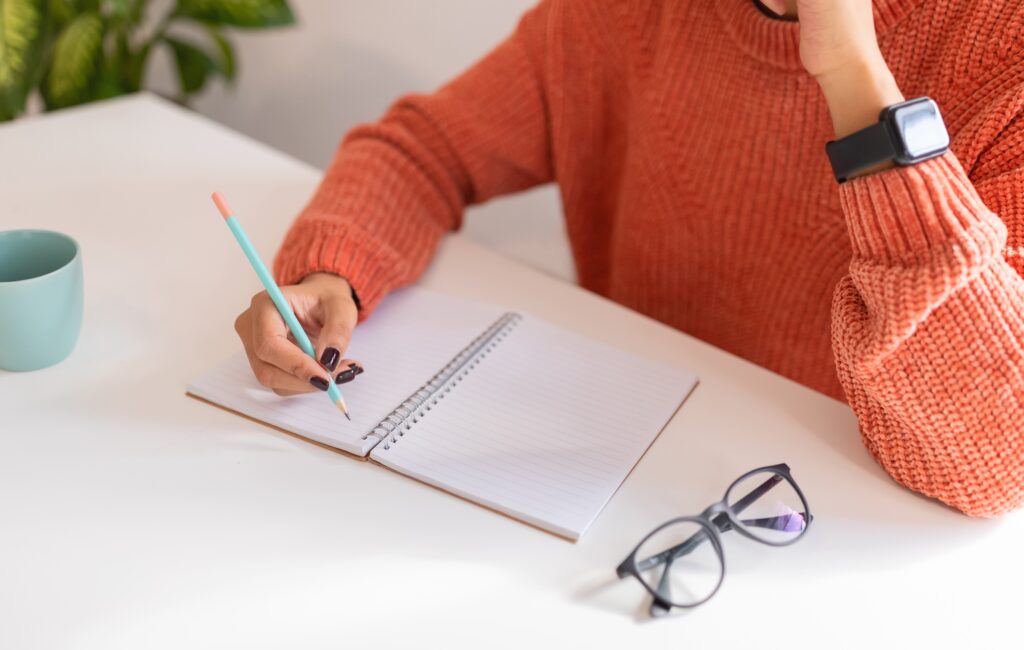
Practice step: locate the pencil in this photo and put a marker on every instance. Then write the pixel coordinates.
(275, 293)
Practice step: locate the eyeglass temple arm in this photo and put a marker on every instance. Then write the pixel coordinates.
(755, 494)
(661, 604)
(774, 522)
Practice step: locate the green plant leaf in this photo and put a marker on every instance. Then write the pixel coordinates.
(108, 86)
(77, 60)
(238, 13)
(21, 29)
(227, 52)
(113, 81)
(62, 11)
(194, 66)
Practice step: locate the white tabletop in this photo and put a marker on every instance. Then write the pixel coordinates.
(134, 517)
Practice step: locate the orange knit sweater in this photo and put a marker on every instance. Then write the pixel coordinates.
(688, 144)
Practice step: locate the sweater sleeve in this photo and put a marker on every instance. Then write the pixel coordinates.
(928, 328)
(397, 186)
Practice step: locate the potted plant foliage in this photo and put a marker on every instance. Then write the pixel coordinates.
(76, 51)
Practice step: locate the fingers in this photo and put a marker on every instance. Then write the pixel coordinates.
(270, 376)
(278, 362)
(338, 315)
(348, 370)
(278, 380)
(270, 347)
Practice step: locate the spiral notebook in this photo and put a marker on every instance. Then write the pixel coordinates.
(498, 407)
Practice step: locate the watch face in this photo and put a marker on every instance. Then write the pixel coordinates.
(921, 129)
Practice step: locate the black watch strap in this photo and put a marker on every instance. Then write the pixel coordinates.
(861, 150)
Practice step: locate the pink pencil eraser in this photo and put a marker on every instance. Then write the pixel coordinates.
(221, 204)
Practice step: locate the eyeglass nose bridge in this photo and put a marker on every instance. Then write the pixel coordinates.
(714, 513)
(719, 515)
(714, 510)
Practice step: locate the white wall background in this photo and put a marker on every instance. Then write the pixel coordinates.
(299, 89)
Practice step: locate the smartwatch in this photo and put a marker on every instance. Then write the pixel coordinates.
(906, 133)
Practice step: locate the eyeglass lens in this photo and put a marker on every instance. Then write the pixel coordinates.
(769, 507)
(679, 563)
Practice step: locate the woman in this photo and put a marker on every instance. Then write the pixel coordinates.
(687, 140)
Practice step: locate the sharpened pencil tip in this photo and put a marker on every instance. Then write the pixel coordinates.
(343, 408)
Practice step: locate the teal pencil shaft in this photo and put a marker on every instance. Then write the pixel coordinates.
(279, 300)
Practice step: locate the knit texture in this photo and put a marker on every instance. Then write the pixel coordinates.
(688, 144)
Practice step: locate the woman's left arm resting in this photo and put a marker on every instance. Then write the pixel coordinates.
(928, 328)
(928, 332)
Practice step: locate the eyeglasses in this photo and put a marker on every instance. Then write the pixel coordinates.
(680, 563)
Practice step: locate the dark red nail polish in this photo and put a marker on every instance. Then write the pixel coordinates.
(346, 376)
(319, 382)
(329, 359)
(358, 368)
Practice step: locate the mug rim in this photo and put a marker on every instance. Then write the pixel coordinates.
(76, 256)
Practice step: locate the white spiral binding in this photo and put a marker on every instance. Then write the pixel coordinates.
(397, 423)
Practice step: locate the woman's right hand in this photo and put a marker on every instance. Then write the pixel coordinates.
(324, 305)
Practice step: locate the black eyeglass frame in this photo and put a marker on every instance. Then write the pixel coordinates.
(717, 518)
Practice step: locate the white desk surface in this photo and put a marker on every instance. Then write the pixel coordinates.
(134, 517)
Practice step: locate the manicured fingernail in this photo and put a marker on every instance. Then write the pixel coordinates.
(358, 368)
(319, 382)
(329, 359)
(346, 376)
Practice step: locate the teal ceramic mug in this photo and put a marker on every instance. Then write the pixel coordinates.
(40, 298)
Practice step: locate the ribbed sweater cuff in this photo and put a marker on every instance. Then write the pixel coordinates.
(342, 248)
(907, 214)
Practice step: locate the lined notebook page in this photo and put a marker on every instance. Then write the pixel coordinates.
(545, 428)
(410, 337)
